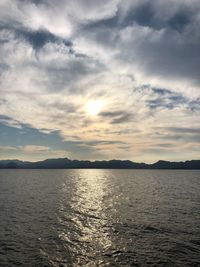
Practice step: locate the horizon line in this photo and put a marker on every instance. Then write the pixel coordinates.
(100, 160)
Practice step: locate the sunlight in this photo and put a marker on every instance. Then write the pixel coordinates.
(94, 107)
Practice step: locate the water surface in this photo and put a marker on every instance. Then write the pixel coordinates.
(99, 218)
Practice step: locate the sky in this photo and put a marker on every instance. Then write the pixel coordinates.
(109, 79)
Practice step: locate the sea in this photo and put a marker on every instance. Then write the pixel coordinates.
(96, 217)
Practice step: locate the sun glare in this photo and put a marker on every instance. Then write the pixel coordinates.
(94, 107)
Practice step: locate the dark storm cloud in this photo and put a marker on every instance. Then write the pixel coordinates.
(146, 14)
(195, 105)
(143, 14)
(36, 38)
(166, 99)
(161, 91)
(170, 49)
(179, 21)
(174, 51)
(170, 59)
(39, 38)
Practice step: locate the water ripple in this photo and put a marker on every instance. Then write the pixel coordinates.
(67, 218)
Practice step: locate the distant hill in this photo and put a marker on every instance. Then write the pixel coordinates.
(65, 163)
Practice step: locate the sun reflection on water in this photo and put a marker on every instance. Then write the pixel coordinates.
(86, 224)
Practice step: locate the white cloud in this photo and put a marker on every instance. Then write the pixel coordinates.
(7, 149)
(35, 149)
(101, 53)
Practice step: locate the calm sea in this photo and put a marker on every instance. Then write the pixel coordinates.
(99, 218)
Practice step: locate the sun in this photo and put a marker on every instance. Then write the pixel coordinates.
(94, 107)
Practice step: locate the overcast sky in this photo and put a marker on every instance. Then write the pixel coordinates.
(90, 79)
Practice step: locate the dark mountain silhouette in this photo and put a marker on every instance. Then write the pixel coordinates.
(192, 164)
(65, 163)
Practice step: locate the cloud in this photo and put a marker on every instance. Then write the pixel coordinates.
(117, 116)
(184, 130)
(7, 148)
(36, 149)
(60, 19)
(38, 38)
(166, 98)
(154, 39)
(179, 135)
(42, 152)
(139, 58)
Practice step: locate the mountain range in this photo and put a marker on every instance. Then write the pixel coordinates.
(65, 163)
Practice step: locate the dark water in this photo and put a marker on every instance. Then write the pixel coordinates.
(99, 218)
